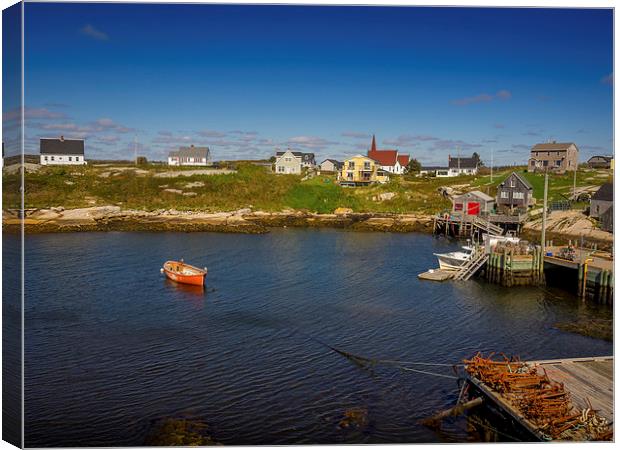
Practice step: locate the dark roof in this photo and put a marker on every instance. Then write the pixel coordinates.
(465, 163)
(555, 146)
(606, 158)
(333, 161)
(61, 146)
(605, 193)
(434, 168)
(191, 152)
(302, 155)
(520, 178)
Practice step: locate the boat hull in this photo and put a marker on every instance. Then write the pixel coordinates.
(196, 277)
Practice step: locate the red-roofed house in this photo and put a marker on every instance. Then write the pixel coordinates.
(389, 160)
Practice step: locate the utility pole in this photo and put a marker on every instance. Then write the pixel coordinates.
(575, 184)
(491, 166)
(544, 219)
(135, 149)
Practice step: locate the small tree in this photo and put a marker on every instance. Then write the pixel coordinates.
(414, 166)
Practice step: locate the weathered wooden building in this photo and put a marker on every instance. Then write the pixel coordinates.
(474, 203)
(514, 192)
(601, 202)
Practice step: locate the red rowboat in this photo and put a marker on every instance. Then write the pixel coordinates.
(184, 273)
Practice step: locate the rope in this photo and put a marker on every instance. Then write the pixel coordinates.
(369, 361)
(409, 369)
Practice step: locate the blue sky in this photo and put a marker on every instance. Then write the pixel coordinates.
(247, 79)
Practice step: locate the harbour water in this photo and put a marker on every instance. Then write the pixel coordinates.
(111, 346)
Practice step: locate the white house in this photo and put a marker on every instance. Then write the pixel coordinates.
(288, 162)
(61, 151)
(330, 165)
(463, 166)
(306, 159)
(189, 156)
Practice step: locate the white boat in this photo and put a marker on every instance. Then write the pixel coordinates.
(492, 239)
(454, 260)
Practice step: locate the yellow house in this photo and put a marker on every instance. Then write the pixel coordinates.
(361, 169)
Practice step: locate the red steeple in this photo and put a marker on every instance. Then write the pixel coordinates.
(373, 146)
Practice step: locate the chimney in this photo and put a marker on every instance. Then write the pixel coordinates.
(62, 138)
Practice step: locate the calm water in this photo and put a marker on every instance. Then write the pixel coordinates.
(112, 346)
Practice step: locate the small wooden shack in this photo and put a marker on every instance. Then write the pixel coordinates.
(474, 203)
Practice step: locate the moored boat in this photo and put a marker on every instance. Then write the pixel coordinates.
(184, 273)
(454, 260)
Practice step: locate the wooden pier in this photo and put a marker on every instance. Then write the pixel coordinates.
(594, 270)
(589, 382)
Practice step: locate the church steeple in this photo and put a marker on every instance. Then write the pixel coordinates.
(373, 146)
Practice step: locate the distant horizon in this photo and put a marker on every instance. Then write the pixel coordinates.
(245, 79)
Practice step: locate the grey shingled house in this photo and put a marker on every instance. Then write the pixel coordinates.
(61, 151)
(514, 192)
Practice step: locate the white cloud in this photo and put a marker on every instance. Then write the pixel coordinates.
(91, 31)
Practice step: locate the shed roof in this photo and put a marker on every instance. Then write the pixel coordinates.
(403, 160)
(61, 146)
(605, 193)
(479, 194)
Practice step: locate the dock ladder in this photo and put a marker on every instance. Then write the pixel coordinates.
(478, 259)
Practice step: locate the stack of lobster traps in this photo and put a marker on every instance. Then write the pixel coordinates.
(543, 405)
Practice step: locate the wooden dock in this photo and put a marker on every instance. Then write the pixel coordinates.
(436, 275)
(588, 380)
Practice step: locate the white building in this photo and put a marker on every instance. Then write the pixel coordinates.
(189, 156)
(61, 151)
(463, 166)
(288, 162)
(330, 165)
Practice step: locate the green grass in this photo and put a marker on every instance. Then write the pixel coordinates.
(256, 187)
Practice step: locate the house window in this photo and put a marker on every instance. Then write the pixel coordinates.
(351, 165)
(512, 183)
(545, 163)
(504, 194)
(518, 195)
(45, 158)
(280, 169)
(70, 159)
(349, 175)
(287, 159)
(366, 165)
(52, 158)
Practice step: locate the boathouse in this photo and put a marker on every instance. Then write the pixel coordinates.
(474, 203)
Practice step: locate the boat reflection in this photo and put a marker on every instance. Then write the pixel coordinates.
(192, 293)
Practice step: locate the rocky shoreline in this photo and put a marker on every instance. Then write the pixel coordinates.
(113, 218)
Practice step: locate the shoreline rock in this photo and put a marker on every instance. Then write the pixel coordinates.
(113, 218)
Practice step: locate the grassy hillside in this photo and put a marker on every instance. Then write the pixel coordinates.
(251, 186)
